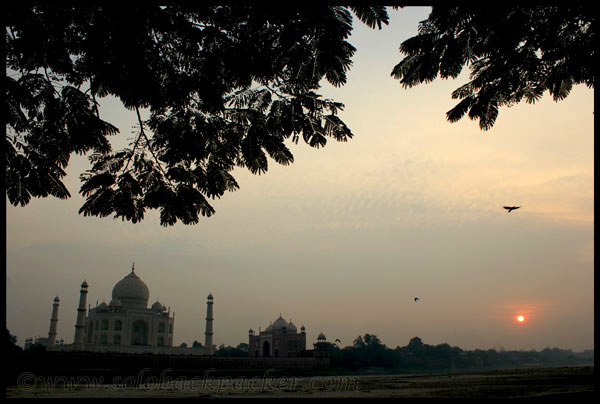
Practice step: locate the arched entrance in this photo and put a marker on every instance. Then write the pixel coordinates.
(266, 349)
(139, 336)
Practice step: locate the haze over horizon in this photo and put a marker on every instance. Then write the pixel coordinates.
(343, 240)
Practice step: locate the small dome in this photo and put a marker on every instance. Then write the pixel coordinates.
(84, 284)
(157, 306)
(291, 328)
(321, 337)
(103, 306)
(115, 303)
(131, 291)
(56, 299)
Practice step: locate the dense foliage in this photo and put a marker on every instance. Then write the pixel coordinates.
(228, 86)
(513, 52)
(230, 352)
(369, 352)
(225, 86)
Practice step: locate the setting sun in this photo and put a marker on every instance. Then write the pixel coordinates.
(520, 319)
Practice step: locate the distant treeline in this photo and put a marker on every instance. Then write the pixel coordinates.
(368, 351)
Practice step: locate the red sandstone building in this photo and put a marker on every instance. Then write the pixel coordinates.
(280, 339)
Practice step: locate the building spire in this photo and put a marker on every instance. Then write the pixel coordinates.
(132, 267)
(80, 324)
(53, 323)
(208, 334)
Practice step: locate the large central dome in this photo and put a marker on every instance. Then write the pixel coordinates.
(280, 324)
(131, 291)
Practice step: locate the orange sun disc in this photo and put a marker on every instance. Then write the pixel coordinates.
(520, 319)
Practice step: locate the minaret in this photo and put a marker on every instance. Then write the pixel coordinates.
(53, 323)
(208, 341)
(80, 324)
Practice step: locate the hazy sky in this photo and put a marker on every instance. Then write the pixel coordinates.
(342, 240)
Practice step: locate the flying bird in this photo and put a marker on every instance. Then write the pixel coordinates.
(416, 299)
(511, 208)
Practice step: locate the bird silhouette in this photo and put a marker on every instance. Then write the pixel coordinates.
(416, 299)
(511, 208)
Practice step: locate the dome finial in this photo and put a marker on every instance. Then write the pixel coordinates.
(132, 267)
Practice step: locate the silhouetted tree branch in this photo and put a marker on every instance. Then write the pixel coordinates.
(227, 86)
(513, 52)
(205, 73)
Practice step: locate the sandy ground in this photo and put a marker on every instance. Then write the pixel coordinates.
(563, 382)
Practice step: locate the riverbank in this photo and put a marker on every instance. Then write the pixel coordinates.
(566, 382)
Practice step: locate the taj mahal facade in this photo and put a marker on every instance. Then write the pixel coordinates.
(126, 324)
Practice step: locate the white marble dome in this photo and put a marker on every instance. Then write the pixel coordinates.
(131, 291)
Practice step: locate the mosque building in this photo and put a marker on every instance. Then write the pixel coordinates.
(127, 324)
(279, 339)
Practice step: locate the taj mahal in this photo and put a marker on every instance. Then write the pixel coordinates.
(126, 324)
